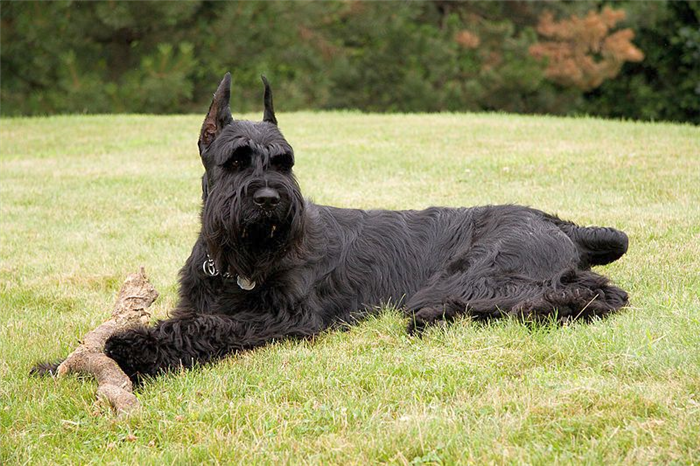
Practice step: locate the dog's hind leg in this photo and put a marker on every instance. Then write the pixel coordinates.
(573, 294)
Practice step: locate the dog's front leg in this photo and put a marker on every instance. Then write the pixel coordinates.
(196, 339)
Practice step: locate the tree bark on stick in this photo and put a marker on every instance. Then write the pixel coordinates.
(114, 385)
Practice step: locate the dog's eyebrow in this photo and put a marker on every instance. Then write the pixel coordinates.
(236, 145)
(241, 142)
(254, 146)
(279, 149)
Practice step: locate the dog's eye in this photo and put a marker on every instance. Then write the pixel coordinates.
(282, 162)
(239, 158)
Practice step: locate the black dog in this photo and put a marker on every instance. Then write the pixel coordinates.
(269, 264)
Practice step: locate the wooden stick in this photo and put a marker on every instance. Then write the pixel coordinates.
(114, 385)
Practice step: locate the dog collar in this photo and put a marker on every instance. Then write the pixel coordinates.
(209, 269)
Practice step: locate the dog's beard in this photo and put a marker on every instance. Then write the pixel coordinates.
(261, 230)
(246, 240)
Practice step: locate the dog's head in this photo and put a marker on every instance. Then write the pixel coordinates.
(252, 204)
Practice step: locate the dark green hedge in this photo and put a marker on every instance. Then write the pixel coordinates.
(167, 57)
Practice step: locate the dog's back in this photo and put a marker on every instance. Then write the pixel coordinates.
(379, 256)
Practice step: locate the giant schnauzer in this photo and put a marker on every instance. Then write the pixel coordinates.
(269, 264)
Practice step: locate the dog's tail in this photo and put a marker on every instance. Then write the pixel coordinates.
(596, 245)
(599, 246)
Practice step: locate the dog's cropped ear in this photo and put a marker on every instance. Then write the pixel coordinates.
(219, 114)
(269, 114)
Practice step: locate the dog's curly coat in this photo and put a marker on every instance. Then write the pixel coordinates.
(269, 264)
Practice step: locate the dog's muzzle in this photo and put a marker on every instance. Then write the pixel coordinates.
(266, 198)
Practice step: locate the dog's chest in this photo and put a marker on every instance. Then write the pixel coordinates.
(273, 295)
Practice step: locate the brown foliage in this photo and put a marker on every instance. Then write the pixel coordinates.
(467, 39)
(308, 35)
(583, 52)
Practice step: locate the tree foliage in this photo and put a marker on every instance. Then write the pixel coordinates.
(666, 84)
(522, 56)
(583, 52)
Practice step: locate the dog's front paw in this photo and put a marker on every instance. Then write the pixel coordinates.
(44, 369)
(135, 351)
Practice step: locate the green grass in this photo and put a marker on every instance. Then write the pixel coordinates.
(87, 200)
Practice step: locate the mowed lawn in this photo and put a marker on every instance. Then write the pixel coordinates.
(86, 200)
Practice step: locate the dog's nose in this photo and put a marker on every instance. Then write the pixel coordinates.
(266, 197)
